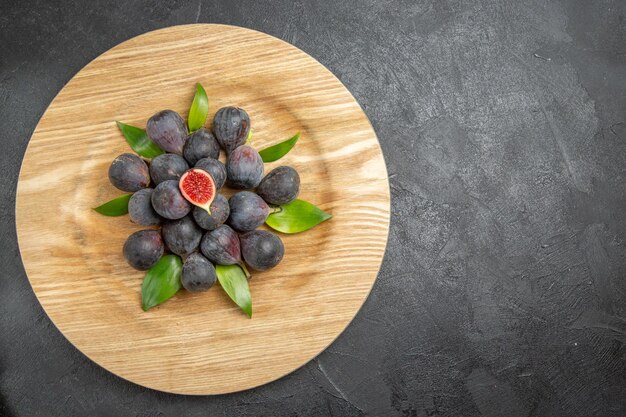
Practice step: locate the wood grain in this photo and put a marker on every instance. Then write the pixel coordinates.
(202, 343)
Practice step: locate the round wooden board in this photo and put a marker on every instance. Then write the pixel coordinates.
(202, 343)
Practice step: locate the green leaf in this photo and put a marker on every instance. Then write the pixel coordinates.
(139, 141)
(162, 281)
(274, 153)
(199, 109)
(234, 282)
(296, 217)
(116, 207)
(249, 137)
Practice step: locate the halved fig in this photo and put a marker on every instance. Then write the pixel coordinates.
(198, 187)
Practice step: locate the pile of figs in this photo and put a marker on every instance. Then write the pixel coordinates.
(179, 190)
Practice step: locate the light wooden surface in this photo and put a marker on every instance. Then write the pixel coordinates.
(202, 343)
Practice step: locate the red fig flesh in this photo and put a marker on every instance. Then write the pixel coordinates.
(197, 186)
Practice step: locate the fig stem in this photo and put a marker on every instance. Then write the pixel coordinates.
(276, 209)
(245, 270)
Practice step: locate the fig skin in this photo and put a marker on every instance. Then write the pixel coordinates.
(167, 166)
(280, 186)
(216, 170)
(168, 130)
(221, 246)
(128, 172)
(261, 249)
(247, 211)
(231, 126)
(140, 208)
(219, 213)
(182, 236)
(168, 201)
(198, 273)
(244, 168)
(143, 249)
(201, 144)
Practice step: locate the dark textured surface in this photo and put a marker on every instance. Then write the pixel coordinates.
(503, 289)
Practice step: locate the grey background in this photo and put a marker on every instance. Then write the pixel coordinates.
(503, 287)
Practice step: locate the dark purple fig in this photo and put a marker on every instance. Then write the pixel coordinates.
(168, 201)
(128, 172)
(215, 168)
(219, 213)
(280, 186)
(261, 249)
(198, 273)
(244, 168)
(182, 236)
(140, 208)
(247, 211)
(168, 130)
(143, 249)
(221, 246)
(167, 166)
(201, 144)
(231, 126)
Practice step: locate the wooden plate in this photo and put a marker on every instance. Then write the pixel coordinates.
(202, 343)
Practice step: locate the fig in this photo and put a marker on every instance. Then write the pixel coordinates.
(140, 208)
(182, 236)
(215, 168)
(201, 144)
(198, 273)
(168, 130)
(167, 166)
(128, 172)
(244, 168)
(198, 188)
(168, 201)
(280, 186)
(231, 126)
(247, 211)
(219, 213)
(143, 249)
(221, 246)
(261, 249)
